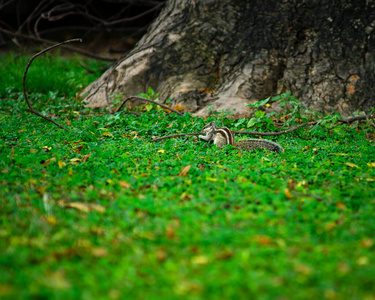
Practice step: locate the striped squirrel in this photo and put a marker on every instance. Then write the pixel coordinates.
(223, 136)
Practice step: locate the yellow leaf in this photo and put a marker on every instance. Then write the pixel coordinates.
(302, 269)
(371, 165)
(287, 193)
(52, 220)
(98, 208)
(330, 225)
(33, 151)
(79, 206)
(75, 160)
(363, 261)
(211, 179)
(60, 163)
(68, 122)
(161, 151)
(351, 165)
(199, 260)
(124, 184)
(110, 181)
(70, 172)
(340, 205)
(107, 134)
(99, 252)
(262, 240)
(367, 243)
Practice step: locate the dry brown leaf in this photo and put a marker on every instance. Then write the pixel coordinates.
(79, 206)
(97, 207)
(184, 171)
(169, 232)
(86, 157)
(124, 184)
(340, 205)
(161, 254)
(262, 240)
(99, 252)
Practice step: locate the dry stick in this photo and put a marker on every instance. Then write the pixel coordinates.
(147, 100)
(24, 81)
(278, 132)
(356, 118)
(173, 136)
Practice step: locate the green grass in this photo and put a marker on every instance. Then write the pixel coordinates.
(102, 213)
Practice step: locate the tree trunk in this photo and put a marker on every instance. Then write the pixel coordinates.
(229, 53)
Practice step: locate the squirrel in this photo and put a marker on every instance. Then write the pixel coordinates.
(223, 136)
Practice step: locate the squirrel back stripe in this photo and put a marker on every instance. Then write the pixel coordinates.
(226, 133)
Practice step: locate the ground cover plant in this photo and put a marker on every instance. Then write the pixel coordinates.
(100, 212)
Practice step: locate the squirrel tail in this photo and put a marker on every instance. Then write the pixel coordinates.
(252, 144)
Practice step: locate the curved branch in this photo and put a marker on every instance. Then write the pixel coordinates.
(148, 100)
(356, 118)
(277, 132)
(24, 81)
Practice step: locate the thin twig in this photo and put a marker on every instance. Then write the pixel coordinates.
(24, 80)
(88, 54)
(356, 118)
(147, 100)
(277, 132)
(309, 195)
(173, 136)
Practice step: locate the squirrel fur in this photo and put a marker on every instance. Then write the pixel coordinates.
(223, 136)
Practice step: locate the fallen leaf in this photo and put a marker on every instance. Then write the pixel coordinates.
(184, 171)
(161, 151)
(107, 134)
(199, 260)
(302, 269)
(211, 179)
(61, 163)
(367, 243)
(371, 165)
(52, 220)
(48, 161)
(68, 122)
(86, 157)
(124, 184)
(363, 261)
(287, 193)
(262, 240)
(161, 254)
(169, 232)
(97, 208)
(79, 206)
(340, 205)
(351, 165)
(33, 151)
(99, 252)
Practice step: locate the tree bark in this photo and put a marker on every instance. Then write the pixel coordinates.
(229, 53)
